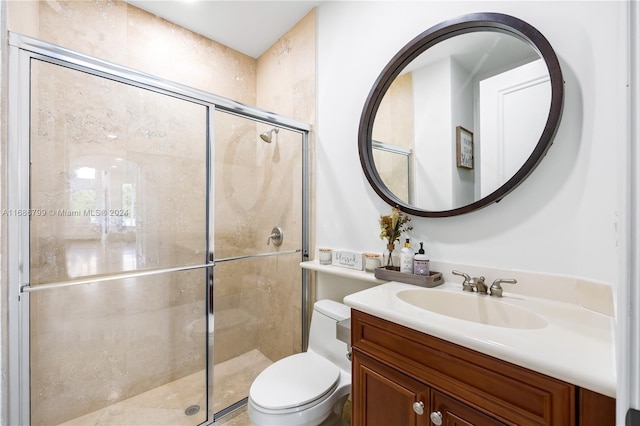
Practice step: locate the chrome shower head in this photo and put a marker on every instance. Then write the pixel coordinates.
(268, 135)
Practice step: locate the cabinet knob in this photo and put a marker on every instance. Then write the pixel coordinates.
(436, 418)
(418, 407)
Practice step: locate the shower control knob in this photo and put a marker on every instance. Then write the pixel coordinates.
(276, 236)
(418, 407)
(436, 418)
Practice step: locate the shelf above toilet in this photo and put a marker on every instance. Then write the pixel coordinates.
(314, 265)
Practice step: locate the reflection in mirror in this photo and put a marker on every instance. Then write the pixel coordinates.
(394, 165)
(491, 83)
(477, 101)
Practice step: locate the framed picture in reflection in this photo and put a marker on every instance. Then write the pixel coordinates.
(464, 148)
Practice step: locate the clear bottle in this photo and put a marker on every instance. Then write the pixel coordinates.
(421, 262)
(406, 258)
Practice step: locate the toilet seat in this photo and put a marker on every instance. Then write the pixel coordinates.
(294, 383)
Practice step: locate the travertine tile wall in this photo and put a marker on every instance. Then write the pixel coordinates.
(286, 83)
(258, 186)
(126, 35)
(282, 80)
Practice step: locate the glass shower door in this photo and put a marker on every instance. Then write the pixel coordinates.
(257, 284)
(118, 240)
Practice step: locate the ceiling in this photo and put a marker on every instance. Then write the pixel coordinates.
(250, 27)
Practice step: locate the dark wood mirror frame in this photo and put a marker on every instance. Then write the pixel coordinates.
(465, 24)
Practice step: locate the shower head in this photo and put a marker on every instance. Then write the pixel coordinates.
(266, 136)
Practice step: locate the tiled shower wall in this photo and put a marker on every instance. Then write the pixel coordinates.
(281, 80)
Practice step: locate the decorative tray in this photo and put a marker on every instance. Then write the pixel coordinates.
(432, 280)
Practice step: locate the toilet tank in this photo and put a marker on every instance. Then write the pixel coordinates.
(322, 335)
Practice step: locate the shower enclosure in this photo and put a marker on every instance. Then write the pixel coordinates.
(146, 285)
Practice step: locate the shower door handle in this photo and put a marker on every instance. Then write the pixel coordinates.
(276, 236)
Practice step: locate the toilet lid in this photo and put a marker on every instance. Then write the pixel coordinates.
(294, 381)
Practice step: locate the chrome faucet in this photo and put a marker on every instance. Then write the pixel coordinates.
(477, 284)
(472, 284)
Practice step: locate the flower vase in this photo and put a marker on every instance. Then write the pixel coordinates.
(390, 247)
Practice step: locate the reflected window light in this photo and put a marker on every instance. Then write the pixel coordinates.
(129, 203)
(85, 173)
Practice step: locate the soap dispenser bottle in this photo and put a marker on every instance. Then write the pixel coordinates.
(421, 263)
(406, 258)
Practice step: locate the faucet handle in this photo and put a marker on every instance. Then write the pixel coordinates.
(466, 284)
(496, 288)
(276, 236)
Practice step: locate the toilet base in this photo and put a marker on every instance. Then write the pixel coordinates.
(335, 418)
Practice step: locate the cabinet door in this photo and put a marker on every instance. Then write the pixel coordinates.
(455, 413)
(382, 396)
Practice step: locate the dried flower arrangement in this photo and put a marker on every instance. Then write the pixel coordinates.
(391, 227)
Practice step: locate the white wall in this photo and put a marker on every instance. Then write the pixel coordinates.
(462, 109)
(432, 124)
(563, 218)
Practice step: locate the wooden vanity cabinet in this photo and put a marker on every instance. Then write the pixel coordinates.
(395, 368)
(454, 412)
(386, 396)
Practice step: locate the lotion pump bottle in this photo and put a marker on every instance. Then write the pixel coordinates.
(406, 258)
(421, 263)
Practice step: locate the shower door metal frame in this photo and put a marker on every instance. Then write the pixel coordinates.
(24, 49)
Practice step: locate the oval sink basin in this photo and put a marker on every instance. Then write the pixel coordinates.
(472, 307)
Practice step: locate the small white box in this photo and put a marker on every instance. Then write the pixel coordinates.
(347, 259)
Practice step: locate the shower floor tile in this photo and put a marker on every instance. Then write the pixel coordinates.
(233, 378)
(165, 405)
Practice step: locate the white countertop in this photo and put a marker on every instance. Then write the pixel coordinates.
(576, 345)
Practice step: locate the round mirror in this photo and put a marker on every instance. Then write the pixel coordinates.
(461, 115)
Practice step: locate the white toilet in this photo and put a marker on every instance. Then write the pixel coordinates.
(308, 388)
